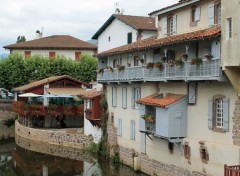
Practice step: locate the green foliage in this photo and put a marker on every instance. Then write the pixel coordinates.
(16, 71)
(115, 158)
(21, 38)
(93, 148)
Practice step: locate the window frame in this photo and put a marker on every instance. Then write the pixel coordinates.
(135, 97)
(129, 37)
(52, 54)
(229, 28)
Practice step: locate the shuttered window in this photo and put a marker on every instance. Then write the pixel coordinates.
(132, 130)
(218, 113)
(119, 130)
(129, 38)
(192, 87)
(77, 55)
(27, 54)
(52, 54)
(211, 14)
(124, 97)
(114, 96)
(197, 14)
(136, 94)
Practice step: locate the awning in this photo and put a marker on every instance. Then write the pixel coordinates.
(69, 91)
(29, 95)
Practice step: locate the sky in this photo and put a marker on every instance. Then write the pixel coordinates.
(78, 18)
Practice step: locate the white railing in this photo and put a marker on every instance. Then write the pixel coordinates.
(207, 70)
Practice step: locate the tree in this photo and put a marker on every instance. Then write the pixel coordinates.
(21, 38)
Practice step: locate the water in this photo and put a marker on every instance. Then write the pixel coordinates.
(23, 157)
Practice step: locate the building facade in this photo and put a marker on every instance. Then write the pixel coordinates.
(170, 102)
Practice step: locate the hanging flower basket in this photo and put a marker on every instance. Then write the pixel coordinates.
(178, 62)
(159, 65)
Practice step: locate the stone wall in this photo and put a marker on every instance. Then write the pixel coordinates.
(112, 135)
(57, 137)
(55, 150)
(236, 123)
(6, 132)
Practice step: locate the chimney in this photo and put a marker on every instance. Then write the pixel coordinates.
(38, 34)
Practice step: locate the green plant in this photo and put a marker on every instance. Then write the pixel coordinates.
(149, 65)
(178, 61)
(121, 68)
(93, 148)
(196, 61)
(115, 158)
(159, 65)
(148, 118)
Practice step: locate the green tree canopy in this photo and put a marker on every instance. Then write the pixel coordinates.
(16, 71)
(21, 38)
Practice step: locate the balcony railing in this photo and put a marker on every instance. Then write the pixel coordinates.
(231, 170)
(207, 70)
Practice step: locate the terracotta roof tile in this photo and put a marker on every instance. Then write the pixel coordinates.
(92, 93)
(155, 42)
(156, 99)
(55, 41)
(45, 81)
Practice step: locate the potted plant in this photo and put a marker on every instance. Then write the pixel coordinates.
(149, 65)
(121, 68)
(196, 61)
(148, 118)
(184, 56)
(159, 65)
(178, 62)
(208, 56)
(101, 71)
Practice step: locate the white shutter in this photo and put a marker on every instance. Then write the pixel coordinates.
(226, 114)
(192, 93)
(141, 120)
(132, 130)
(133, 98)
(114, 96)
(143, 143)
(210, 113)
(164, 26)
(138, 95)
(211, 14)
(174, 24)
(198, 14)
(119, 131)
(124, 97)
(156, 21)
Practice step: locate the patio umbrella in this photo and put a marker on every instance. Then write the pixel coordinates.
(29, 95)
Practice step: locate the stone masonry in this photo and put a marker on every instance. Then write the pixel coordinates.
(57, 137)
(236, 123)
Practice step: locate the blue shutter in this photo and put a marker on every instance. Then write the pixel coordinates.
(124, 97)
(141, 120)
(198, 14)
(119, 131)
(143, 143)
(133, 98)
(138, 95)
(226, 114)
(174, 24)
(114, 96)
(210, 113)
(164, 25)
(132, 130)
(211, 14)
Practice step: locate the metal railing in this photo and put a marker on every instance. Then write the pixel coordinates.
(231, 170)
(207, 70)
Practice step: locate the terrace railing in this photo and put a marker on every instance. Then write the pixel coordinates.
(231, 170)
(207, 70)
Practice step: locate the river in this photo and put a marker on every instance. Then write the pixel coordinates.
(22, 157)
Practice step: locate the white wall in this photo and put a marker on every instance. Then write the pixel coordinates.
(66, 53)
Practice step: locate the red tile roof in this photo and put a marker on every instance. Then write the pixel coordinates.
(155, 99)
(46, 81)
(92, 93)
(156, 42)
(55, 41)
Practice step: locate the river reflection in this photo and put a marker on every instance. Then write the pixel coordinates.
(28, 158)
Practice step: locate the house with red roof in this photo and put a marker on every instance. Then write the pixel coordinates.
(51, 46)
(168, 95)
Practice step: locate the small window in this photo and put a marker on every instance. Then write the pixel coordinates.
(136, 61)
(109, 38)
(52, 54)
(27, 54)
(136, 94)
(218, 16)
(229, 28)
(219, 112)
(77, 56)
(193, 14)
(129, 37)
(124, 97)
(170, 147)
(204, 155)
(170, 26)
(186, 151)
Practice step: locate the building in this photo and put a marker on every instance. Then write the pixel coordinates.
(170, 102)
(63, 45)
(130, 29)
(93, 112)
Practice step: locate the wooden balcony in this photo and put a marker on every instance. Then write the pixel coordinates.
(231, 170)
(207, 70)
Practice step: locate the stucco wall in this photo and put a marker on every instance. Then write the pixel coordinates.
(66, 53)
(230, 47)
(57, 137)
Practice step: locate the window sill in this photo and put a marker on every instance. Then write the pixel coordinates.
(219, 130)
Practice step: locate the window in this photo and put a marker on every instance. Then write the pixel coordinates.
(229, 28)
(169, 25)
(204, 155)
(170, 147)
(218, 13)
(136, 61)
(214, 13)
(119, 130)
(218, 113)
(77, 55)
(132, 130)
(195, 15)
(109, 39)
(89, 104)
(186, 150)
(136, 94)
(170, 55)
(114, 96)
(52, 54)
(27, 54)
(124, 97)
(129, 37)
(192, 88)
(115, 63)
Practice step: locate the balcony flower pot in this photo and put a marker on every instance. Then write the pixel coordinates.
(101, 71)
(128, 65)
(208, 56)
(149, 65)
(178, 62)
(148, 118)
(196, 61)
(159, 65)
(184, 57)
(121, 68)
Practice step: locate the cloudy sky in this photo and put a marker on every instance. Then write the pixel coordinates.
(79, 18)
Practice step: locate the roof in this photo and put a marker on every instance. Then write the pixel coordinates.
(156, 99)
(92, 93)
(136, 22)
(46, 81)
(53, 42)
(67, 90)
(154, 42)
(175, 6)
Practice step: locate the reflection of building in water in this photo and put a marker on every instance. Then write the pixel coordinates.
(33, 163)
(91, 169)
